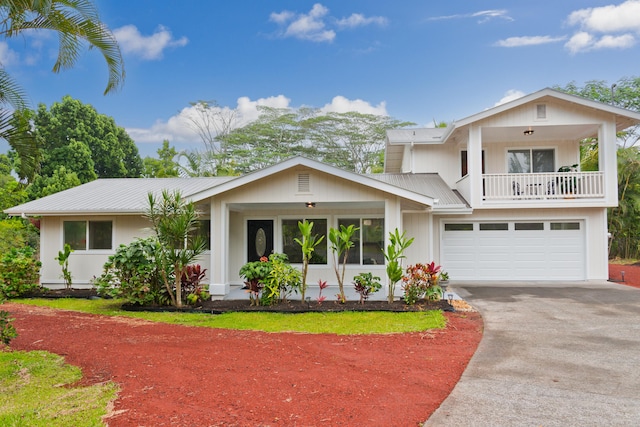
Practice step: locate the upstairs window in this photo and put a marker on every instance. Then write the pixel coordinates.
(531, 161)
(88, 235)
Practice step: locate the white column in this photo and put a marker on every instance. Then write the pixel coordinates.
(474, 160)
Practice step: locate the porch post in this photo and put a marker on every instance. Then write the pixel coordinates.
(219, 285)
(607, 160)
(474, 164)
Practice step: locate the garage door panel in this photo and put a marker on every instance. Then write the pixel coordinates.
(542, 254)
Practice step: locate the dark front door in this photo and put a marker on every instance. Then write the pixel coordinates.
(259, 238)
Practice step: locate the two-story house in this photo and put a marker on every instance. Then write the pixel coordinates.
(483, 197)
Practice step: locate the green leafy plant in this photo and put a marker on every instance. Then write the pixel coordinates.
(341, 242)
(366, 284)
(63, 260)
(394, 254)
(7, 331)
(421, 280)
(307, 243)
(254, 274)
(133, 274)
(19, 272)
(174, 220)
(281, 280)
(444, 276)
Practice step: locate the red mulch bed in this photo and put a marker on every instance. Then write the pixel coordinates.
(631, 274)
(187, 376)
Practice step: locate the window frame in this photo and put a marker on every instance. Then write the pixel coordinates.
(313, 219)
(88, 233)
(531, 150)
(360, 240)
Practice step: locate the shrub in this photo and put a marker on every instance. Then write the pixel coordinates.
(366, 284)
(132, 273)
(191, 278)
(7, 331)
(19, 272)
(421, 280)
(281, 280)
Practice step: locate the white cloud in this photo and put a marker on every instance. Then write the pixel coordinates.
(178, 129)
(8, 57)
(606, 27)
(528, 41)
(316, 25)
(484, 15)
(340, 104)
(359, 20)
(510, 95)
(146, 47)
(607, 19)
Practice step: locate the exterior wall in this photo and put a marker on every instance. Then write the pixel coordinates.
(85, 265)
(418, 226)
(595, 219)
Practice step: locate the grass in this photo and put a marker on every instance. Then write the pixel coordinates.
(35, 391)
(342, 323)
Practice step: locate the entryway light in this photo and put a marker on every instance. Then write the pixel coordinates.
(528, 131)
(310, 204)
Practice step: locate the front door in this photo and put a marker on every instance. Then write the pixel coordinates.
(259, 238)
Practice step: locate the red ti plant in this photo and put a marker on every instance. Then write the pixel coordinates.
(322, 285)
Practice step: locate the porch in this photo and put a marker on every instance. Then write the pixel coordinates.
(554, 185)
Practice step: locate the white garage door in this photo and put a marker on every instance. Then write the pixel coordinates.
(514, 250)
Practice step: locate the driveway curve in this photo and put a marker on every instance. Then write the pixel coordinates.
(551, 355)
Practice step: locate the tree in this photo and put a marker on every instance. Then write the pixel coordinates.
(213, 123)
(62, 179)
(76, 22)
(63, 128)
(341, 242)
(623, 221)
(308, 243)
(351, 140)
(164, 166)
(174, 220)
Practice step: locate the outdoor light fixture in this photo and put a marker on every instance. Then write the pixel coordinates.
(528, 131)
(450, 298)
(310, 204)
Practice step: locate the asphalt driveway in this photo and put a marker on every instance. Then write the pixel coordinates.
(551, 355)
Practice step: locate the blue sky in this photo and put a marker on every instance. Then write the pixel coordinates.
(414, 60)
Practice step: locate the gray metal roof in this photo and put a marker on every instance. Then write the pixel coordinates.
(113, 195)
(428, 184)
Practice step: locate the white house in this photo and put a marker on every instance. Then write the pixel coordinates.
(482, 197)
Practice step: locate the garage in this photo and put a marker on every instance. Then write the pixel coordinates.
(514, 250)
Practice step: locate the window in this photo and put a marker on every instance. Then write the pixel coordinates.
(498, 226)
(464, 165)
(368, 240)
(203, 229)
(458, 227)
(565, 226)
(531, 161)
(92, 235)
(290, 232)
(529, 226)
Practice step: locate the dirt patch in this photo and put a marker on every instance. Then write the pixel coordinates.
(631, 274)
(187, 376)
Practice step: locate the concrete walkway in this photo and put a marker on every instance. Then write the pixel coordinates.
(551, 355)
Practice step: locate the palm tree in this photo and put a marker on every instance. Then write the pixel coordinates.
(76, 22)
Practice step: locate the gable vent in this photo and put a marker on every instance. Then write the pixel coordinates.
(541, 111)
(304, 183)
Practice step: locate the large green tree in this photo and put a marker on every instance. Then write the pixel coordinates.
(164, 166)
(76, 136)
(351, 140)
(77, 23)
(623, 220)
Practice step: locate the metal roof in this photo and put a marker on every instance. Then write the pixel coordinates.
(113, 195)
(428, 184)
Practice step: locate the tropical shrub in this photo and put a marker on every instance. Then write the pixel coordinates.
(341, 242)
(281, 280)
(254, 273)
(393, 255)
(322, 284)
(19, 272)
(63, 260)
(421, 280)
(191, 278)
(366, 284)
(308, 243)
(133, 274)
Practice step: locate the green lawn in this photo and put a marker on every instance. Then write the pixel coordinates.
(342, 323)
(34, 391)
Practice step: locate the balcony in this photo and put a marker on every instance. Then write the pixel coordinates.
(543, 186)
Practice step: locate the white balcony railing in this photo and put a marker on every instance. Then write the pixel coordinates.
(555, 185)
